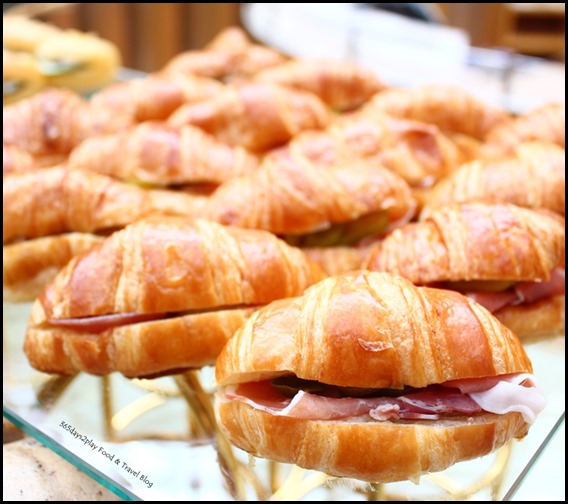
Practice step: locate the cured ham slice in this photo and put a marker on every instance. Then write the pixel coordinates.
(522, 292)
(499, 395)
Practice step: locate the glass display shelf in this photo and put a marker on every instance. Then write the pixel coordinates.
(141, 440)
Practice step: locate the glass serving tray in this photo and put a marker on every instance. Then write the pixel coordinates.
(140, 438)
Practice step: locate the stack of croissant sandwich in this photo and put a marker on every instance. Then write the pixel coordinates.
(364, 265)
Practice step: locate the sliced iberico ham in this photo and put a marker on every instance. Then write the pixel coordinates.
(522, 292)
(510, 393)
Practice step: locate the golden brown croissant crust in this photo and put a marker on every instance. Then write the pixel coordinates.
(256, 116)
(378, 452)
(156, 96)
(56, 200)
(474, 241)
(28, 266)
(141, 350)
(534, 176)
(154, 153)
(546, 123)
(173, 264)
(230, 55)
(290, 194)
(51, 123)
(342, 85)
(16, 160)
(371, 330)
(452, 109)
(197, 280)
(416, 151)
(535, 321)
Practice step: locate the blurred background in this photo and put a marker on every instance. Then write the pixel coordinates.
(149, 34)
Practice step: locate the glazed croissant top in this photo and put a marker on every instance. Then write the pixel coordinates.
(546, 123)
(342, 85)
(167, 265)
(56, 200)
(371, 330)
(450, 108)
(256, 116)
(290, 194)
(474, 241)
(534, 176)
(155, 153)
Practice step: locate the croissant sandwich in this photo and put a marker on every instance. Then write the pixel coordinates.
(509, 259)
(367, 376)
(534, 176)
(54, 121)
(546, 123)
(312, 205)
(419, 152)
(342, 85)
(230, 55)
(257, 116)
(160, 296)
(52, 214)
(155, 97)
(154, 154)
(452, 109)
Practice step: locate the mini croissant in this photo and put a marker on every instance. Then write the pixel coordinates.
(452, 109)
(367, 376)
(256, 116)
(546, 123)
(156, 154)
(534, 176)
(503, 256)
(158, 296)
(51, 123)
(420, 153)
(342, 85)
(56, 200)
(230, 55)
(155, 97)
(53, 214)
(313, 205)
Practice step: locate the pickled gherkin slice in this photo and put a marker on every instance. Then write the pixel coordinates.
(344, 233)
(480, 285)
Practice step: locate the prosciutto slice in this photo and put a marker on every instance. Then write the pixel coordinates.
(511, 393)
(522, 293)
